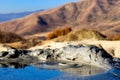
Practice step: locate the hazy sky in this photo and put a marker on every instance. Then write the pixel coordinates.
(8, 6)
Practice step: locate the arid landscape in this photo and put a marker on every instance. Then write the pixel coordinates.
(100, 15)
(76, 34)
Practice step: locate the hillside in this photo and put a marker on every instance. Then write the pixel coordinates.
(100, 15)
(79, 35)
(9, 37)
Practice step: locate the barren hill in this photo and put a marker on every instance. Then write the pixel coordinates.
(100, 15)
(79, 35)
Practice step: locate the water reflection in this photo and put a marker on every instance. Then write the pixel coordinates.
(72, 69)
(84, 70)
(12, 65)
(113, 74)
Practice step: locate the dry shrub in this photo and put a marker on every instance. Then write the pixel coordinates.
(59, 32)
(9, 37)
(117, 37)
(114, 37)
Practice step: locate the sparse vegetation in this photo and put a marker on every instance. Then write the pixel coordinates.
(24, 44)
(116, 37)
(81, 34)
(59, 32)
(9, 37)
(15, 41)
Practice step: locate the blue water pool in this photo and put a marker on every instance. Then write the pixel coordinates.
(63, 73)
(28, 73)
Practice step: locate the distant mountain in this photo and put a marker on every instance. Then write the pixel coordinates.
(12, 16)
(100, 15)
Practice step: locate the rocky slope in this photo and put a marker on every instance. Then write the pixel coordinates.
(78, 54)
(101, 15)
